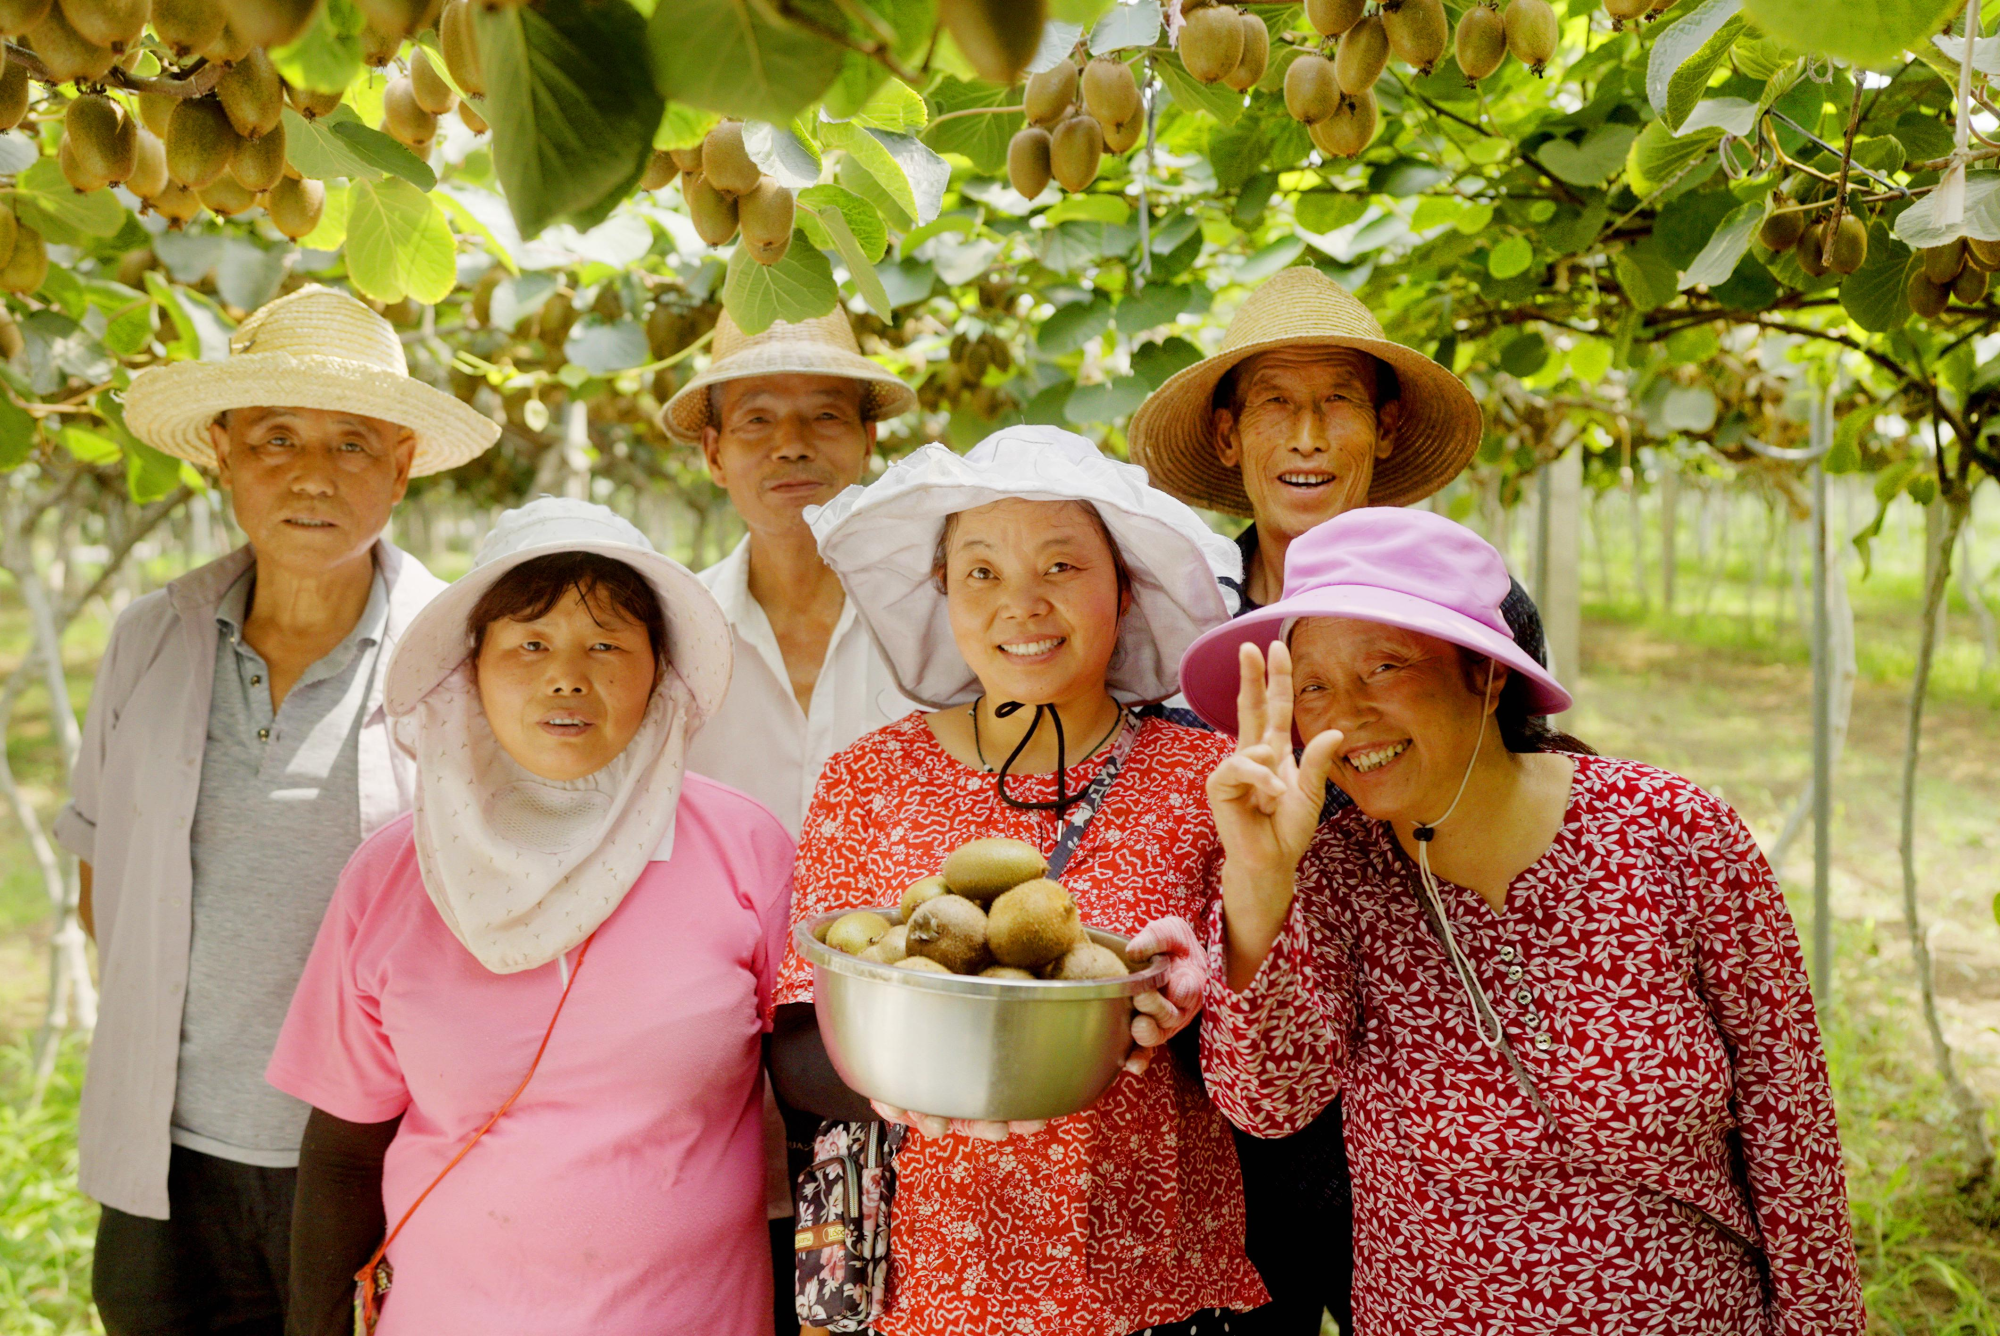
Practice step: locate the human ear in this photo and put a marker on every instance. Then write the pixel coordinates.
(406, 457)
(711, 453)
(1387, 418)
(1497, 684)
(218, 440)
(1228, 444)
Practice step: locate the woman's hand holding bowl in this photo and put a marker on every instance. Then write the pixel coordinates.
(1159, 1016)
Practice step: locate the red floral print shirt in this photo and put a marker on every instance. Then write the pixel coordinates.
(1648, 978)
(1111, 1220)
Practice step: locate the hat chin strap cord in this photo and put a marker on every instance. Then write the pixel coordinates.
(1064, 799)
(1483, 1012)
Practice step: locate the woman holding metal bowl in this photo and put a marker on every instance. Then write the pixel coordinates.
(1033, 592)
(1559, 994)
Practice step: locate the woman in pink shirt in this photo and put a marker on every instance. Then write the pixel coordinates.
(568, 930)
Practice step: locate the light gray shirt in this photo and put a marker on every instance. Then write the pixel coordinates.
(274, 823)
(131, 816)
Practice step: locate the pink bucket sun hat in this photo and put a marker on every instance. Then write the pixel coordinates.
(1405, 568)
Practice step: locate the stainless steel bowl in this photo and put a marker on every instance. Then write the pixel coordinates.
(964, 1047)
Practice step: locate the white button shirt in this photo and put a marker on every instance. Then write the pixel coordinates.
(760, 741)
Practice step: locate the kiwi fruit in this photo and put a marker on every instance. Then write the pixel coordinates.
(149, 165)
(725, 164)
(259, 164)
(892, 945)
(229, 48)
(1032, 924)
(312, 103)
(1623, 12)
(1121, 138)
(1418, 31)
(403, 120)
(27, 263)
(921, 963)
(460, 46)
(200, 142)
(952, 931)
(476, 123)
(1811, 250)
(265, 22)
(81, 178)
(1779, 232)
(1927, 298)
(12, 341)
(1480, 42)
(377, 47)
(18, 16)
(433, 94)
(660, 171)
(714, 216)
(1075, 150)
(1982, 254)
(186, 26)
(1848, 250)
(1331, 18)
(176, 203)
(100, 137)
(1051, 93)
(1110, 93)
(1211, 42)
(67, 53)
(295, 205)
(924, 888)
(998, 37)
(1028, 161)
(1350, 129)
(9, 230)
(856, 932)
(765, 215)
(226, 196)
(1086, 960)
(1363, 55)
(399, 18)
(155, 110)
(116, 24)
(1942, 263)
(1970, 285)
(991, 971)
(1311, 92)
(14, 92)
(1256, 57)
(1532, 32)
(252, 94)
(982, 869)
(687, 159)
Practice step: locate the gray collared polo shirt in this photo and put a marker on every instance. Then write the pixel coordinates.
(275, 820)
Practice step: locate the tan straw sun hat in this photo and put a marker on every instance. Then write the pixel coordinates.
(1173, 433)
(823, 346)
(314, 348)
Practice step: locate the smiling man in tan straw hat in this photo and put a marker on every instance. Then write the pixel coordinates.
(235, 753)
(786, 419)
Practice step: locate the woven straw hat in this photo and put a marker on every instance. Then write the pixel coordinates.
(823, 346)
(314, 348)
(1173, 433)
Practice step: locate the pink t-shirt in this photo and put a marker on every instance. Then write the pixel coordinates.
(623, 1192)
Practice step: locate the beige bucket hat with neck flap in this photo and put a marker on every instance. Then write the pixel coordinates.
(314, 348)
(1173, 434)
(823, 346)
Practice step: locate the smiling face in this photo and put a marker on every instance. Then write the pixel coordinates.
(566, 691)
(1034, 596)
(782, 443)
(1304, 430)
(311, 489)
(1401, 700)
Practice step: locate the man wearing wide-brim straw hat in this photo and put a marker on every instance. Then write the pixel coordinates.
(786, 419)
(235, 753)
(1306, 411)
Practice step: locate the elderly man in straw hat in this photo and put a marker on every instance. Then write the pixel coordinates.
(1308, 410)
(785, 420)
(235, 753)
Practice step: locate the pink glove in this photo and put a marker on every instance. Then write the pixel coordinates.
(1162, 1015)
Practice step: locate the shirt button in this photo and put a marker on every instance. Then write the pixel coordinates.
(1544, 1043)
(1514, 973)
(1523, 996)
(256, 679)
(1507, 954)
(263, 735)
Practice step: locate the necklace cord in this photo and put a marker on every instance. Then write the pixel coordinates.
(1064, 799)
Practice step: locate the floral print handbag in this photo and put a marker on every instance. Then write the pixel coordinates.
(843, 1224)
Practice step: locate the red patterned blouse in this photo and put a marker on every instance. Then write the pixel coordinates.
(1126, 1215)
(1649, 980)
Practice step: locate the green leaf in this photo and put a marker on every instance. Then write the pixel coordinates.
(88, 447)
(1525, 355)
(1154, 362)
(17, 434)
(1874, 295)
(722, 55)
(573, 108)
(398, 243)
(1657, 155)
(798, 287)
(1725, 249)
(683, 126)
(982, 139)
(1219, 100)
(1329, 210)
(1592, 162)
(1690, 81)
(912, 174)
(1873, 32)
(149, 473)
(1236, 152)
(1113, 401)
(864, 220)
(1648, 277)
(1071, 326)
(1510, 257)
(895, 107)
(332, 229)
(1090, 209)
(328, 54)
(131, 330)
(783, 152)
(1680, 41)
(860, 266)
(1149, 307)
(381, 153)
(45, 201)
(314, 148)
(606, 347)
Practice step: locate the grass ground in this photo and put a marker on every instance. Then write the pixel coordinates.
(1721, 697)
